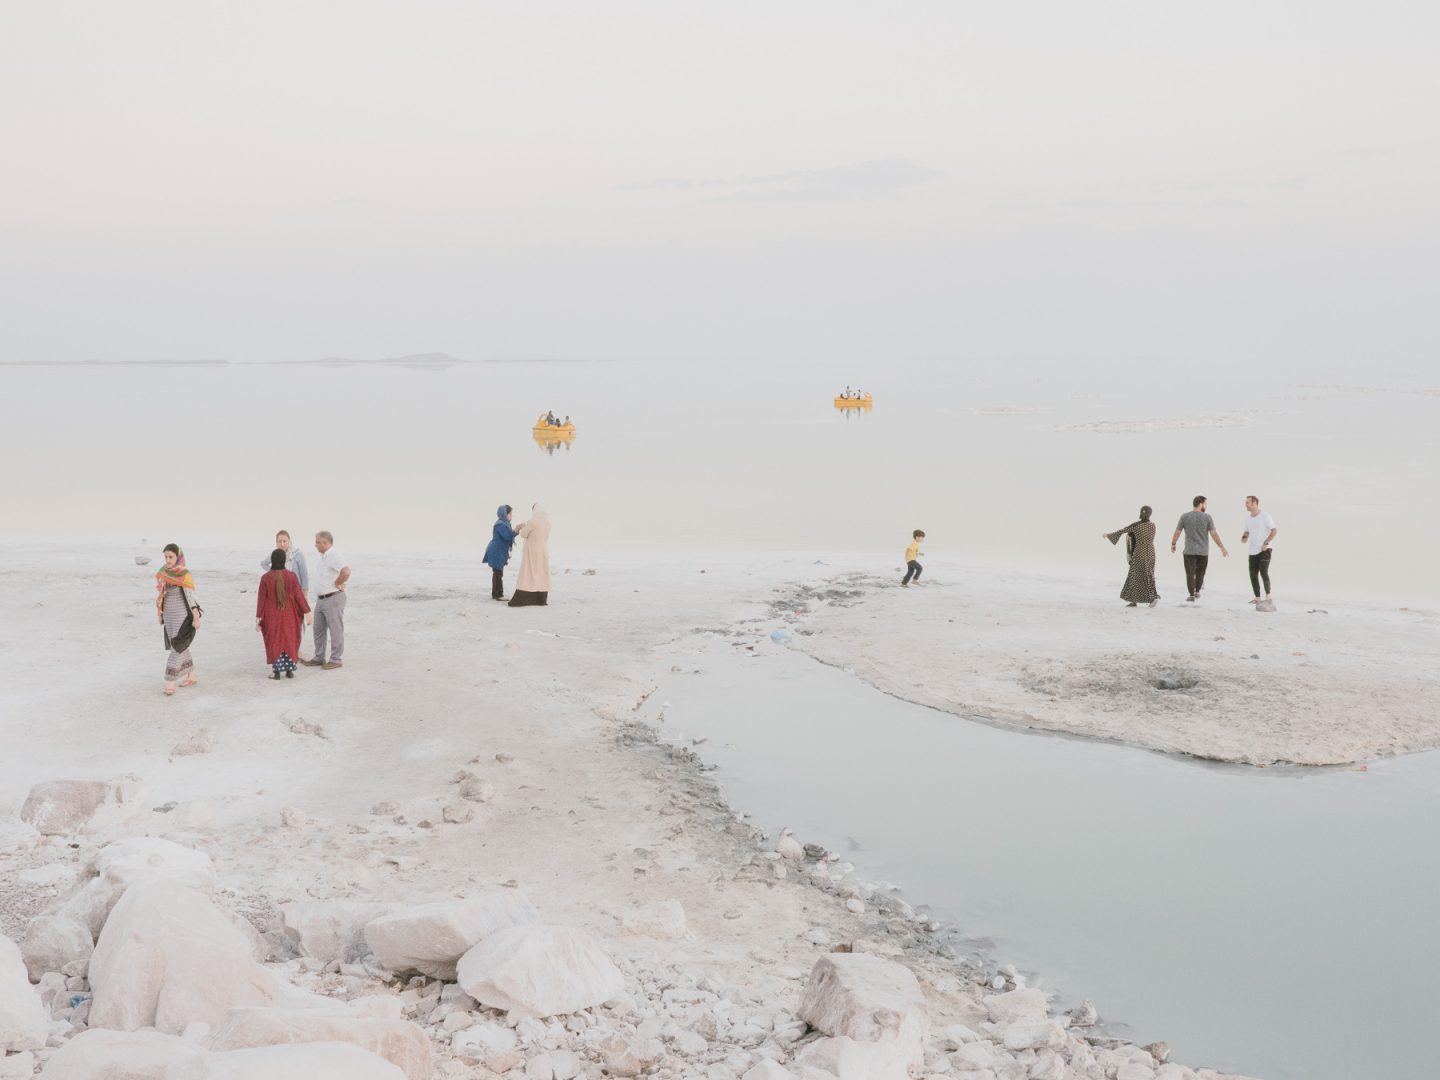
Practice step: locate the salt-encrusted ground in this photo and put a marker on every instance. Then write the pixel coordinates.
(337, 786)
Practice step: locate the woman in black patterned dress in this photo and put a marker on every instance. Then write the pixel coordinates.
(1140, 546)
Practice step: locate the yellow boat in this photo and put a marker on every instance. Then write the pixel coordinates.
(557, 430)
(854, 403)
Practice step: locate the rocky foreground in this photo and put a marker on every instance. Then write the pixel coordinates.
(459, 857)
(141, 972)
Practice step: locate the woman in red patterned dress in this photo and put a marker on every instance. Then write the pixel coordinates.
(280, 605)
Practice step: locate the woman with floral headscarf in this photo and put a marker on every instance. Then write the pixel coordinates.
(179, 613)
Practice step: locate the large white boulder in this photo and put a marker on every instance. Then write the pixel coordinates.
(539, 970)
(399, 1042)
(23, 1023)
(432, 938)
(118, 1055)
(302, 1061)
(169, 957)
(868, 999)
(52, 941)
(62, 807)
(850, 1059)
(330, 929)
(119, 865)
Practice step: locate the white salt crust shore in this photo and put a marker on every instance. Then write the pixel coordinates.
(1315, 683)
(467, 749)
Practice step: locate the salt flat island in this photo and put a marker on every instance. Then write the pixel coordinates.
(465, 855)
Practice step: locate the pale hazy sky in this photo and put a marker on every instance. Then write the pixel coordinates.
(262, 180)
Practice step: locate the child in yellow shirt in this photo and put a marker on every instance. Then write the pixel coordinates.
(913, 569)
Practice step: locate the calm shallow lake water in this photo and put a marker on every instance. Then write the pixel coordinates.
(677, 458)
(1277, 923)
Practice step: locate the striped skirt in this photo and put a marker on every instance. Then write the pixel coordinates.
(178, 665)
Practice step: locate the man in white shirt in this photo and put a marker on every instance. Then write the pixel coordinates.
(1260, 530)
(331, 574)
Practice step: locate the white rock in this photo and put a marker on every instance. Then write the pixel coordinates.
(849, 1059)
(17, 836)
(1134, 1070)
(1017, 1007)
(52, 941)
(790, 849)
(499, 1063)
(476, 790)
(855, 906)
(955, 1036)
(972, 1057)
(664, 919)
(62, 807)
(302, 1061)
(539, 970)
(330, 930)
(168, 956)
(140, 857)
(432, 938)
(566, 1064)
(1171, 1071)
(118, 866)
(23, 1023)
(480, 1040)
(689, 1044)
(1027, 1035)
(869, 999)
(622, 1057)
(19, 1066)
(768, 1070)
(399, 1042)
(117, 1055)
(458, 813)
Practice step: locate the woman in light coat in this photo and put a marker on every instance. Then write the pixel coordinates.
(532, 587)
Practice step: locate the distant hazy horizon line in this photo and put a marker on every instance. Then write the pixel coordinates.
(415, 359)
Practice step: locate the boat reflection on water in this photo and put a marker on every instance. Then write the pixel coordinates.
(854, 406)
(552, 440)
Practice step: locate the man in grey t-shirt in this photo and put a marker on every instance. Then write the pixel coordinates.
(1198, 527)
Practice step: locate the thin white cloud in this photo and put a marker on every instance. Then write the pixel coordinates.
(879, 178)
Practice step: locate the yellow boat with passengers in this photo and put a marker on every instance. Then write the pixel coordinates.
(559, 431)
(843, 402)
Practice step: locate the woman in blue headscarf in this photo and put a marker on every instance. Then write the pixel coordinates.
(498, 552)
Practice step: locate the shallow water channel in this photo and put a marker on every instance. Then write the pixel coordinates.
(1279, 923)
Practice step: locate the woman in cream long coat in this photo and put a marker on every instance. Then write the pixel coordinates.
(533, 584)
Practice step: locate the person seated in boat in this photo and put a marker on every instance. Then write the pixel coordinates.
(567, 421)
(846, 395)
(859, 395)
(550, 420)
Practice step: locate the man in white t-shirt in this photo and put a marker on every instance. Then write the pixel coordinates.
(1260, 530)
(332, 573)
